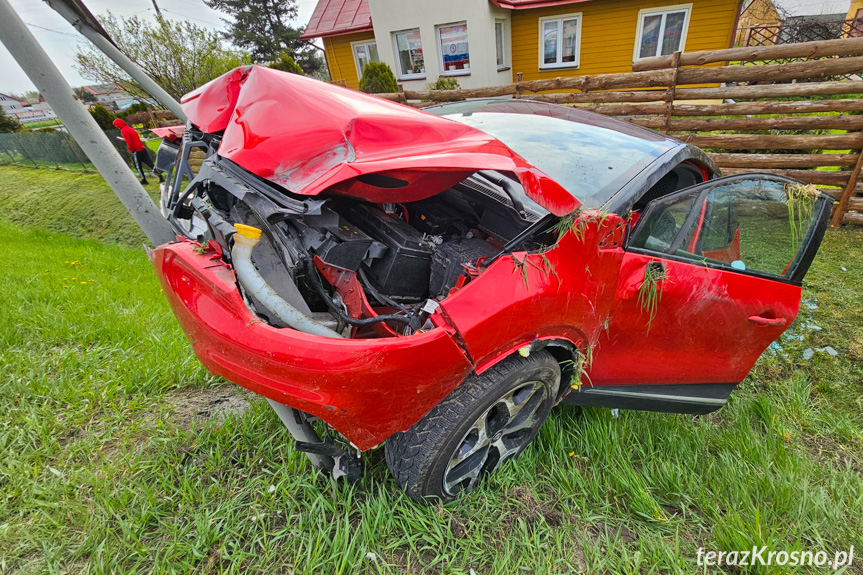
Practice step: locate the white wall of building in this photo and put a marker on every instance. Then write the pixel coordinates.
(9, 105)
(390, 16)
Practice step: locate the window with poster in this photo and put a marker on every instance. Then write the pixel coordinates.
(409, 54)
(455, 57)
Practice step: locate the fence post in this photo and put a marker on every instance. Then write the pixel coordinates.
(402, 98)
(839, 212)
(519, 93)
(670, 93)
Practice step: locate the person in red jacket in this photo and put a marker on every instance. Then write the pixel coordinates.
(136, 148)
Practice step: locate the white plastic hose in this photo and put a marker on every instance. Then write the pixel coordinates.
(245, 240)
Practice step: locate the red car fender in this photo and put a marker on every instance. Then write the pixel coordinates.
(564, 293)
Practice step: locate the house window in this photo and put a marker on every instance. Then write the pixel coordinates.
(409, 54)
(499, 44)
(364, 52)
(662, 31)
(455, 57)
(560, 41)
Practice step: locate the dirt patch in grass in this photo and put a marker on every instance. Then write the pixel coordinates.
(201, 404)
(524, 505)
(826, 449)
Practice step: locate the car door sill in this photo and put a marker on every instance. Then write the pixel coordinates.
(694, 398)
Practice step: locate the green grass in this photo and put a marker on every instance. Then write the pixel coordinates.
(100, 472)
(82, 204)
(43, 124)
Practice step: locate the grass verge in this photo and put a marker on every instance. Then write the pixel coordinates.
(81, 204)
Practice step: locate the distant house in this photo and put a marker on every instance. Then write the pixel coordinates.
(488, 42)
(785, 21)
(111, 96)
(10, 105)
(24, 112)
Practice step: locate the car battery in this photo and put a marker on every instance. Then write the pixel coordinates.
(402, 273)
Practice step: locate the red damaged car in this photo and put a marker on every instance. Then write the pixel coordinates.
(438, 280)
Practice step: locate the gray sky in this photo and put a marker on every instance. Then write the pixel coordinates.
(59, 39)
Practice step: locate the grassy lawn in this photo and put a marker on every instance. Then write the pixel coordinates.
(113, 458)
(82, 204)
(43, 124)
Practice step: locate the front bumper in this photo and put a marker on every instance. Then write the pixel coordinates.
(366, 389)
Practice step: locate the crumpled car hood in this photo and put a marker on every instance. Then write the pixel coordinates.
(310, 136)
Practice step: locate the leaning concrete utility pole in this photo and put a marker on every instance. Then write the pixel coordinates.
(81, 19)
(51, 84)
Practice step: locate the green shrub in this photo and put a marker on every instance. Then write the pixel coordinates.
(445, 83)
(286, 64)
(9, 124)
(103, 117)
(378, 79)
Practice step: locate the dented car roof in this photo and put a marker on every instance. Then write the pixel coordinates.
(311, 137)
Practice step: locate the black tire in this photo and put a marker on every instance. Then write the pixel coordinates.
(472, 431)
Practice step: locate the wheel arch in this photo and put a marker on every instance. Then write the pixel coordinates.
(568, 352)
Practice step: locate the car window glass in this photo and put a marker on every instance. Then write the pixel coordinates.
(753, 224)
(657, 230)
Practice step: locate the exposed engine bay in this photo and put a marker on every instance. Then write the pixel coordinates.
(360, 269)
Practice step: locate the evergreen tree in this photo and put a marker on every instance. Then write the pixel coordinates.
(262, 27)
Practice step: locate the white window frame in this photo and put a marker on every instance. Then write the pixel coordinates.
(399, 73)
(504, 65)
(365, 43)
(579, 18)
(443, 70)
(661, 10)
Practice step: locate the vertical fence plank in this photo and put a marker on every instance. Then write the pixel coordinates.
(672, 88)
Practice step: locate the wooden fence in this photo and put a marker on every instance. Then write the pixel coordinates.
(794, 119)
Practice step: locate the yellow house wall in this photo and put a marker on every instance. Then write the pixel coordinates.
(340, 57)
(852, 10)
(608, 34)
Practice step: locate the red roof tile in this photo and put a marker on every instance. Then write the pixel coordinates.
(524, 4)
(334, 17)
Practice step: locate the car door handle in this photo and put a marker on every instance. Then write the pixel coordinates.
(767, 321)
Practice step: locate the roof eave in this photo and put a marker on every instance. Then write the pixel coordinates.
(539, 4)
(307, 36)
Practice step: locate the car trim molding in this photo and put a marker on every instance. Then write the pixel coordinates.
(663, 397)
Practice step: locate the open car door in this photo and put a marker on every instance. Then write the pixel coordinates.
(711, 275)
